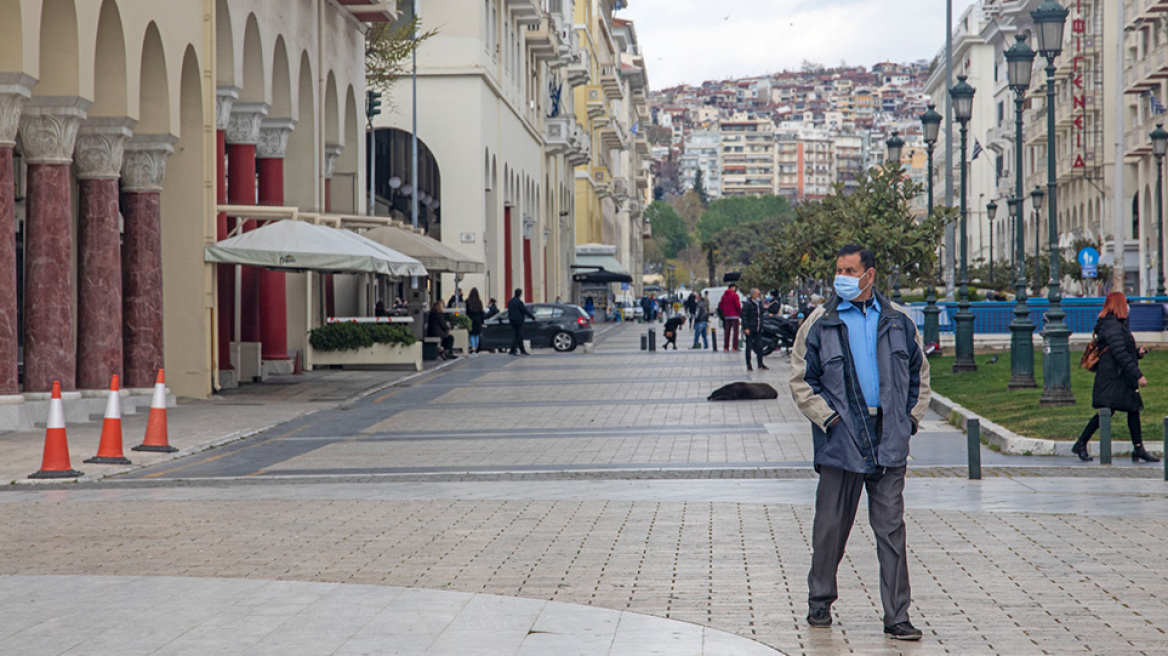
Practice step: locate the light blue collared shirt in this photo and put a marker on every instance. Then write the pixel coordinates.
(862, 341)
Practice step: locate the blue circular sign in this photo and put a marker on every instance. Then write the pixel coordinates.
(1088, 257)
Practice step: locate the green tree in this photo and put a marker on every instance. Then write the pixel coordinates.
(699, 188)
(388, 47)
(729, 212)
(739, 245)
(689, 207)
(876, 214)
(668, 229)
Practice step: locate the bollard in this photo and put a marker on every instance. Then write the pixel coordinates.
(1105, 436)
(644, 342)
(713, 338)
(652, 339)
(973, 438)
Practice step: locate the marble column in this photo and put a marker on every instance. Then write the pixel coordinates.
(143, 169)
(332, 152)
(273, 301)
(12, 99)
(48, 134)
(98, 157)
(243, 133)
(225, 274)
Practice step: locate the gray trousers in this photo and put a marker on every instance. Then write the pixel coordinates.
(836, 501)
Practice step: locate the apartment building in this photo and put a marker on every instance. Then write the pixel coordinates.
(703, 152)
(748, 156)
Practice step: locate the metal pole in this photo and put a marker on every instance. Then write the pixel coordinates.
(1037, 253)
(414, 136)
(1160, 225)
(371, 210)
(1165, 454)
(1119, 209)
(1105, 436)
(1021, 328)
(950, 240)
(932, 326)
(973, 446)
(964, 317)
(1056, 370)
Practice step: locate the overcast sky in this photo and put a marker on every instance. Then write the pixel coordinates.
(696, 40)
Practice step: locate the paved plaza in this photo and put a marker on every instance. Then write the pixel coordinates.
(563, 504)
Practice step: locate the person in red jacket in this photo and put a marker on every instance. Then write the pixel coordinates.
(731, 307)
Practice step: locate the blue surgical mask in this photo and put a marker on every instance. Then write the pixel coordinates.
(847, 287)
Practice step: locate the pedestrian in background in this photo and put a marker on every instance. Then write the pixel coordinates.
(477, 314)
(518, 314)
(752, 312)
(1118, 378)
(691, 306)
(859, 373)
(590, 307)
(646, 308)
(672, 325)
(436, 326)
(730, 307)
(492, 309)
(701, 323)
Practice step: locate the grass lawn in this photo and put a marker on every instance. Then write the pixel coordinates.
(984, 392)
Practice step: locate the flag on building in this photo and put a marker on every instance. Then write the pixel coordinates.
(976, 149)
(1155, 104)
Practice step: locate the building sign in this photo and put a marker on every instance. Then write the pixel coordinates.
(1079, 40)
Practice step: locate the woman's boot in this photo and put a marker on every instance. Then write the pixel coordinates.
(1139, 453)
(1080, 449)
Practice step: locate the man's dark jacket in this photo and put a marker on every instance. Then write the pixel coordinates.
(517, 311)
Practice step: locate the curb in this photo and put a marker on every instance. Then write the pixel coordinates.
(1008, 442)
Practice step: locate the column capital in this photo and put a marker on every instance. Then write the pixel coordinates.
(225, 98)
(244, 125)
(48, 128)
(15, 90)
(331, 152)
(144, 166)
(273, 141)
(101, 144)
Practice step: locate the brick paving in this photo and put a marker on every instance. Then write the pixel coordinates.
(1016, 564)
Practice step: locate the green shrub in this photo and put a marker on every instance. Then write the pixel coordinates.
(459, 321)
(351, 336)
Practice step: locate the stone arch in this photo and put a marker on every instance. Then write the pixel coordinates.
(185, 203)
(109, 64)
(60, 68)
(254, 64)
(224, 45)
(11, 37)
(332, 120)
(302, 161)
(281, 82)
(153, 116)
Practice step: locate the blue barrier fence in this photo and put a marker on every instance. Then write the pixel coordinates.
(1146, 315)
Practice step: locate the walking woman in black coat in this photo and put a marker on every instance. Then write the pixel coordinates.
(1118, 379)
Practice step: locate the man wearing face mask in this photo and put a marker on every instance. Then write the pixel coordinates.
(859, 373)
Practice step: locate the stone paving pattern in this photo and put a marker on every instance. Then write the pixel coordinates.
(1003, 566)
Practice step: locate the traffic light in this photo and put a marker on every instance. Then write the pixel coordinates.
(372, 103)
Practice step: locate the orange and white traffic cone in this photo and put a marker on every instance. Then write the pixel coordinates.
(156, 437)
(109, 450)
(55, 463)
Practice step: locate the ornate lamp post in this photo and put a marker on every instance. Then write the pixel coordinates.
(1049, 20)
(931, 120)
(895, 147)
(1020, 65)
(991, 212)
(1037, 196)
(1159, 147)
(962, 96)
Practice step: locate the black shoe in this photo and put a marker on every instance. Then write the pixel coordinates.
(1080, 449)
(763, 367)
(903, 631)
(1141, 454)
(513, 352)
(749, 368)
(820, 618)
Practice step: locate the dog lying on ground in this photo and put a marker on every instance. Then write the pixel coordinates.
(743, 392)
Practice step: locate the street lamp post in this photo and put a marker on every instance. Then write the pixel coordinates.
(991, 212)
(1049, 20)
(962, 96)
(1037, 196)
(931, 120)
(1159, 147)
(1020, 65)
(895, 147)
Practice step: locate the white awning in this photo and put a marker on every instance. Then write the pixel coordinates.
(608, 262)
(433, 254)
(300, 246)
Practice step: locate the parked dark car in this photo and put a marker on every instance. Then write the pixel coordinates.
(557, 325)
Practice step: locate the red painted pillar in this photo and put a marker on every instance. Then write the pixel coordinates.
(243, 134)
(273, 301)
(142, 174)
(49, 345)
(100, 147)
(508, 288)
(11, 103)
(527, 277)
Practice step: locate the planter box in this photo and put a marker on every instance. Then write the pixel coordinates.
(378, 354)
(461, 339)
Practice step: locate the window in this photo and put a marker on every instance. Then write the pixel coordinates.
(1001, 112)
